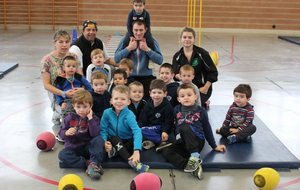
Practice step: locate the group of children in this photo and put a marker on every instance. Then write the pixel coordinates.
(105, 118)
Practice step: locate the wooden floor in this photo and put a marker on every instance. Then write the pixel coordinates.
(271, 66)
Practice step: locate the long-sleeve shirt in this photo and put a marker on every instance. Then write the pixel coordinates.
(140, 58)
(123, 125)
(160, 115)
(205, 69)
(239, 117)
(196, 117)
(86, 130)
(65, 85)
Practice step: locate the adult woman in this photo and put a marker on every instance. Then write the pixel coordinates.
(205, 70)
(51, 67)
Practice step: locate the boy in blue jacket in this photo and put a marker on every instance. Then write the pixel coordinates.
(120, 130)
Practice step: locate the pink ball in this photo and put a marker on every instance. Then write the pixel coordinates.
(45, 141)
(146, 181)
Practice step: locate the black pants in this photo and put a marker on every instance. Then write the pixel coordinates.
(123, 147)
(205, 97)
(241, 135)
(145, 80)
(179, 153)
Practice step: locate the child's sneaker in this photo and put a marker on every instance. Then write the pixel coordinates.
(198, 171)
(112, 152)
(248, 139)
(59, 139)
(93, 171)
(141, 168)
(231, 139)
(163, 145)
(192, 164)
(148, 144)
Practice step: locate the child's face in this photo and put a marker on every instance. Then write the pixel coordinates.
(99, 86)
(187, 39)
(82, 109)
(62, 45)
(70, 67)
(98, 60)
(240, 99)
(186, 77)
(119, 100)
(157, 95)
(138, 7)
(136, 93)
(119, 79)
(166, 75)
(187, 97)
(126, 69)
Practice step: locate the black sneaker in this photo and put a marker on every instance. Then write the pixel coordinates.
(163, 145)
(198, 172)
(112, 152)
(192, 164)
(59, 139)
(148, 144)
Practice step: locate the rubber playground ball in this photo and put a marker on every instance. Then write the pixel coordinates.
(266, 178)
(146, 181)
(70, 182)
(215, 57)
(45, 141)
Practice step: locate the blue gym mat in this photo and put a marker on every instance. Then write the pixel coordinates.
(292, 39)
(265, 150)
(6, 68)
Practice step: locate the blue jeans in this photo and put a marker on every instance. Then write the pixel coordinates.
(76, 158)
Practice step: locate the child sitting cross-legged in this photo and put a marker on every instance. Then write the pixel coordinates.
(156, 119)
(80, 131)
(120, 130)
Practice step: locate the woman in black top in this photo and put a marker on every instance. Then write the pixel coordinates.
(205, 70)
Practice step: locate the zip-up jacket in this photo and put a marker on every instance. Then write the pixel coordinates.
(123, 125)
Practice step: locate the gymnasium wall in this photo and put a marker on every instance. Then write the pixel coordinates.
(242, 14)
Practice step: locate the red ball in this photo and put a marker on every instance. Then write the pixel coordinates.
(45, 141)
(146, 181)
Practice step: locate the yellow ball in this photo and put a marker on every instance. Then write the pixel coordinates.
(215, 57)
(266, 178)
(70, 182)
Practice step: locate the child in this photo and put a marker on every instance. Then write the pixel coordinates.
(139, 13)
(192, 128)
(238, 126)
(101, 97)
(137, 104)
(119, 78)
(186, 76)
(120, 130)
(98, 59)
(80, 131)
(127, 65)
(166, 74)
(156, 119)
(71, 80)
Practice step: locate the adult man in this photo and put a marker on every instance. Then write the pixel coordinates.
(138, 51)
(86, 43)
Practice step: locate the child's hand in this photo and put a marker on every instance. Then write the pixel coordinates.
(135, 157)
(71, 131)
(220, 148)
(164, 136)
(107, 146)
(233, 130)
(63, 106)
(90, 114)
(132, 44)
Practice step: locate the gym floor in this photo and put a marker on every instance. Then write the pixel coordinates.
(271, 66)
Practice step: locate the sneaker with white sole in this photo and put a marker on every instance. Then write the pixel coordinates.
(198, 172)
(148, 144)
(94, 171)
(112, 152)
(162, 146)
(192, 164)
